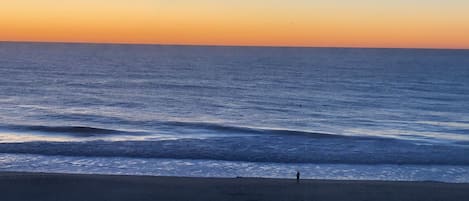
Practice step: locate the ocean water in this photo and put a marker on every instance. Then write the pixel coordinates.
(331, 113)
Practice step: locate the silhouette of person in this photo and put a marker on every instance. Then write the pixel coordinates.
(297, 176)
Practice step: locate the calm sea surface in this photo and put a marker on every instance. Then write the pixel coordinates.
(388, 114)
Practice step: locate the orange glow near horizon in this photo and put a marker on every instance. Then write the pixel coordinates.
(332, 23)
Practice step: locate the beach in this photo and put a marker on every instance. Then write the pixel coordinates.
(54, 186)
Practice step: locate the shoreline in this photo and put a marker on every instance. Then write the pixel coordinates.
(61, 186)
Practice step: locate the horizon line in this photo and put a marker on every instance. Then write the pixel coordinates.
(227, 45)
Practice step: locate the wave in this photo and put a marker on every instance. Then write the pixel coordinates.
(248, 130)
(79, 131)
(173, 127)
(225, 128)
(275, 149)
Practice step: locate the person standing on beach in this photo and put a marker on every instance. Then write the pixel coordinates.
(297, 176)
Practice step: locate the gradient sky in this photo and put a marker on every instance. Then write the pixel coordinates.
(344, 23)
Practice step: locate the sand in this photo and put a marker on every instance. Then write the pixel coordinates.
(70, 187)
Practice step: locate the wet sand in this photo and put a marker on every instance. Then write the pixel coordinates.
(70, 187)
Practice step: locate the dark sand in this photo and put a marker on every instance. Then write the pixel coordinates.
(69, 187)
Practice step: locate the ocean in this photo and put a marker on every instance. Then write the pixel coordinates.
(330, 113)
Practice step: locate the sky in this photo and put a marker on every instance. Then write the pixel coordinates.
(317, 23)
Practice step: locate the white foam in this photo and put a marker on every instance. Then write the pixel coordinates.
(215, 168)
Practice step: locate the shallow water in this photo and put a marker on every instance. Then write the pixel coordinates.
(230, 169)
